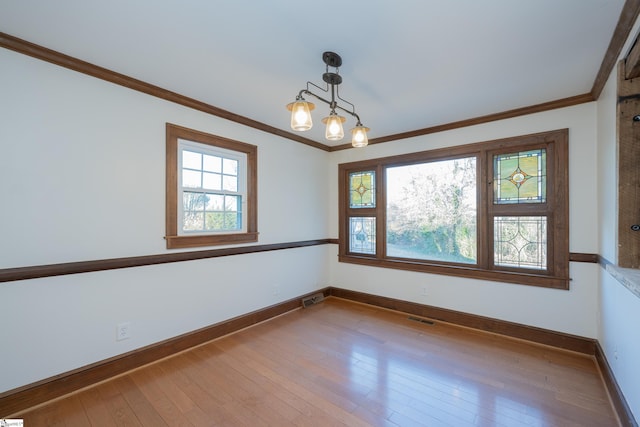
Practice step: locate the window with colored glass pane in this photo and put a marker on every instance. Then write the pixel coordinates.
(520, 241)
(362, 189)
(362, 235)
(520, 177)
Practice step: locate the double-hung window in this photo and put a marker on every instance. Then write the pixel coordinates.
(495, 210)
(211, 189)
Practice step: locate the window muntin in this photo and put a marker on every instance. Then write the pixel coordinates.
(211, 189)
(362, 235)
(520, 177)
(520, 239)
(521, 233)
(520, 242)
(362, 187)
(431, 211)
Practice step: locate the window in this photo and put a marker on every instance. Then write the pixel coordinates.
(495, 210)
(211, 189)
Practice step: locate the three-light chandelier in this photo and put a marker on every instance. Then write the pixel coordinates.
(301, 109)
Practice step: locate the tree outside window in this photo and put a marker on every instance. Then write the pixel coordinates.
(211, 189)
(494, 210)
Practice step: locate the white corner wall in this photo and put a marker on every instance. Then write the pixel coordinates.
(571, 311)
(619, 309)
(82, 167)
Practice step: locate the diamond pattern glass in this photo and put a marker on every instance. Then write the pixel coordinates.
(362, 235)
(520, 241)
(520, 177)
(362, 189)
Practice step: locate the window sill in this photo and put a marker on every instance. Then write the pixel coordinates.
(179, 242)
(470, 272)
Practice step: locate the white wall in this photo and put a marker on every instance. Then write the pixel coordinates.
(619, 309)
(570, 311)
(82, 167)
(82, 173)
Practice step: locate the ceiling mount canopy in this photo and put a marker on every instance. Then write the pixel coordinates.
(301, 109)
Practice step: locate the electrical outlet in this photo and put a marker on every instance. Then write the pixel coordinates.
(123, 331)
(276, 289)
(423, 291)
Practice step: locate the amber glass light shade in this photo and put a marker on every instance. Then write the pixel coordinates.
(334, 130)
(359, 136)
(301, 114)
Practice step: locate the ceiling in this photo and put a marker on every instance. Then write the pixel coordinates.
(407, 64)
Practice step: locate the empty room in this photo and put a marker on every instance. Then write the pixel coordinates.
(410, 213)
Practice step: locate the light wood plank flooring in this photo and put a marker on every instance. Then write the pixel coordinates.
(341, 363)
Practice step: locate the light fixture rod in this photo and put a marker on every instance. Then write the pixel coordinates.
(329, 103)
(300, 109)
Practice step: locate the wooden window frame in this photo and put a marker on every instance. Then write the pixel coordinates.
(173, 238)
(556, 209)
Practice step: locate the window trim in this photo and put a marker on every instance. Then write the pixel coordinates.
(173, 238)
(205, 149)
(557, 209)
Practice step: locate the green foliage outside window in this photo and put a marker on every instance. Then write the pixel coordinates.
(431, 211)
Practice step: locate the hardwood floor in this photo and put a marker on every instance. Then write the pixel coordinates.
(341, 363)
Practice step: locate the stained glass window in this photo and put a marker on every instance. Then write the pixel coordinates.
(362, 235)
(495, 210)
(362, 189)
(520, 241)
(520, 177)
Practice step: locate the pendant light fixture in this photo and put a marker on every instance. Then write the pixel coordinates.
(334, 131)
(301, 109)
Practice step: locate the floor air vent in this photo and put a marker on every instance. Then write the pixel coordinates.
(312, 299)
(418, 319)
